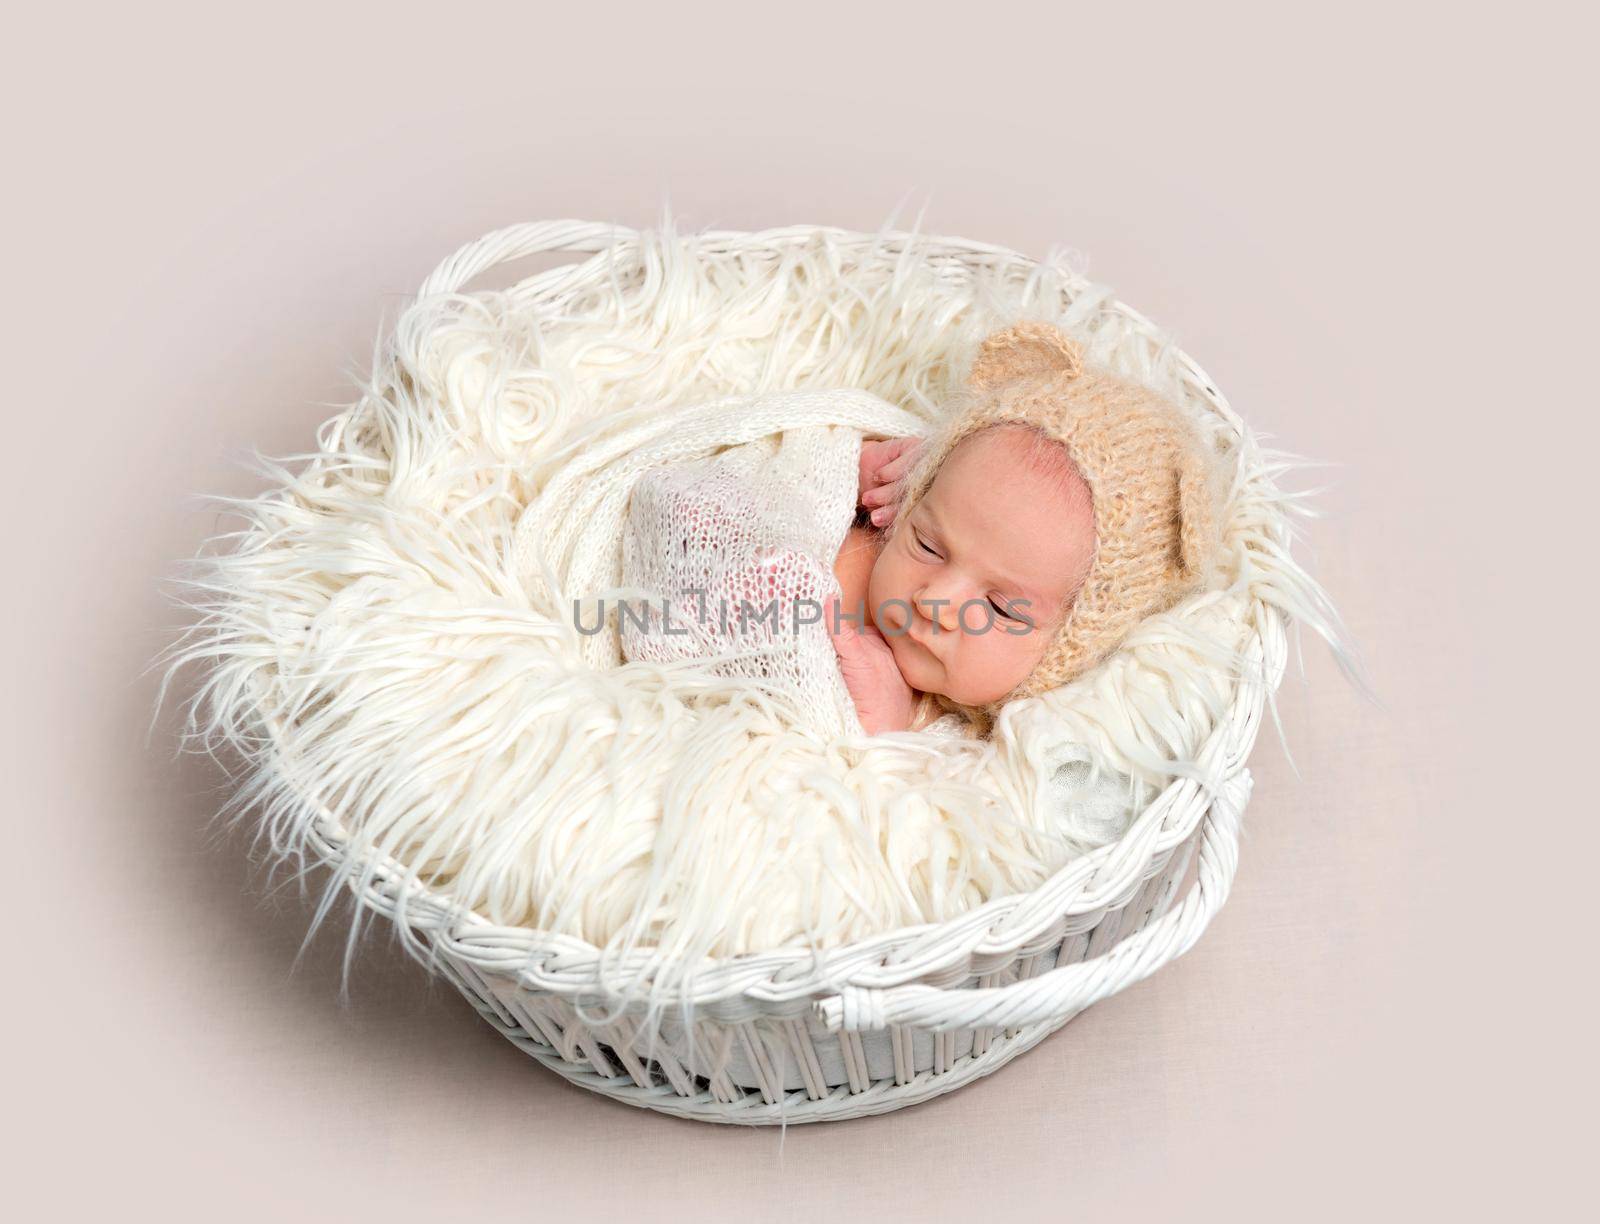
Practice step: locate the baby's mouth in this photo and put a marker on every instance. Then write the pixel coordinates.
(907, 633)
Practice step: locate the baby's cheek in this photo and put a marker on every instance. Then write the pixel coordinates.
(880, 589)
(995, 661)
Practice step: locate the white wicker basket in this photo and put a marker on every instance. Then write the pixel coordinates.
(884, 1023)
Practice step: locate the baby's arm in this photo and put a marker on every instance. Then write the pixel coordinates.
(883, 468)
(883, 699)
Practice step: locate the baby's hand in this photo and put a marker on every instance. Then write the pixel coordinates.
(883, 468)
(883, 699)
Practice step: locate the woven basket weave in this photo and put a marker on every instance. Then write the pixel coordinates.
(796, 1036)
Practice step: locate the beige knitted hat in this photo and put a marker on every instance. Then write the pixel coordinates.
(1153, 479)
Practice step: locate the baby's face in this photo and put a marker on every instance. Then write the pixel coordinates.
(992, 542)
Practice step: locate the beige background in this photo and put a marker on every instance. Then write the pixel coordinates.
(1373, 226)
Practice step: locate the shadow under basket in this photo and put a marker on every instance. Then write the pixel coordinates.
(882, 1023)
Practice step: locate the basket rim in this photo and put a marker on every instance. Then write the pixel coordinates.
(565, 964)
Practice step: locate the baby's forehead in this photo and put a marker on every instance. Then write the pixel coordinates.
(1011, 462)
(996, 510)
(1032, 520)
(996, 443)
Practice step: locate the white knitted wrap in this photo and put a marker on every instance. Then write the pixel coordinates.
(740, 543)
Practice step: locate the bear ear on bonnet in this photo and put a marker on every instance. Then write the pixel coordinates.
(1198, 526)
(1024, 350)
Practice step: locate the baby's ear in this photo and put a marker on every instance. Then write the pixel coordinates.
(1024, 350)
(1197, 515)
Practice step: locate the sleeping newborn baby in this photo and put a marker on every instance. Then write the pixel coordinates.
(1057, 507)
(967, 587)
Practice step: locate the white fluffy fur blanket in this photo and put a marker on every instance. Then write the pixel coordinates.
(399, 611)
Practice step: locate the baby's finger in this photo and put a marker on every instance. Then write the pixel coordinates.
(882, 495)
(872, 458)
(847, 646)
(875, 454)
(901, 463)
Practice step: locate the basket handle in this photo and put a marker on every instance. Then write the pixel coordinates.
(1059, 993)
(518, 241)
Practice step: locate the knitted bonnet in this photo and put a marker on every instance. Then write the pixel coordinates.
(1152, 478)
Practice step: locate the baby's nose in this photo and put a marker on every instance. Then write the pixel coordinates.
(894, 614)
(941, 611)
